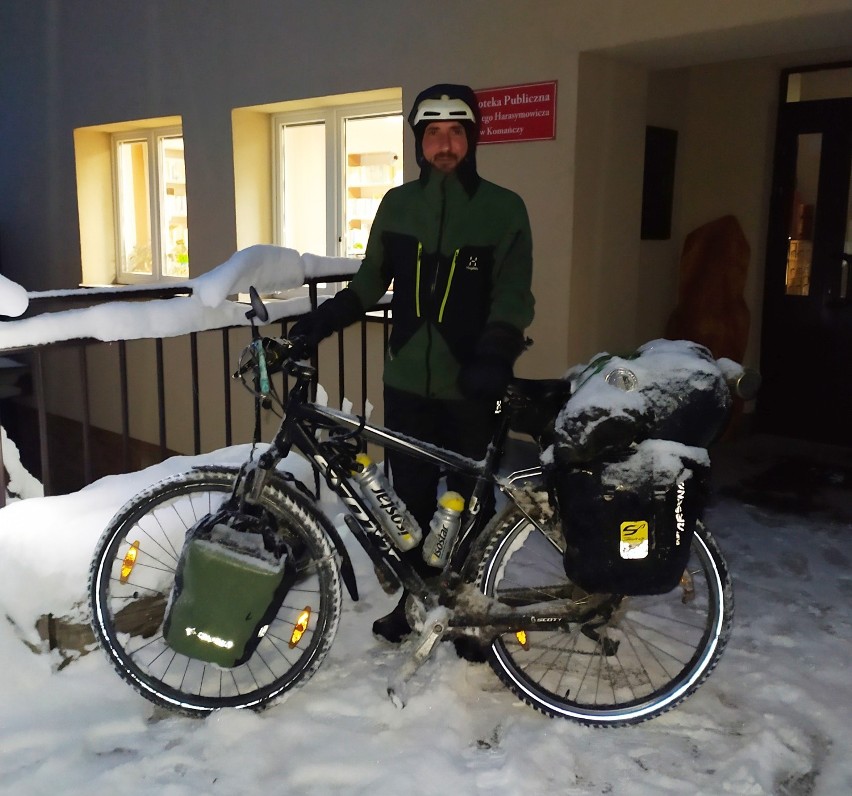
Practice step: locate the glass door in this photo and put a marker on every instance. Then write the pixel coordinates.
(806, 349)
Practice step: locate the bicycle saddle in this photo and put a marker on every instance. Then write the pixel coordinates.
(534, 403)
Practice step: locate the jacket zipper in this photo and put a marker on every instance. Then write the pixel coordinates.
(434, 287)
(449, 284)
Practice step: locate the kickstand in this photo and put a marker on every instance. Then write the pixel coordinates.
(434, 628)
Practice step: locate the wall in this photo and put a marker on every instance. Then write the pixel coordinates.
(73, 65)
(727, 161)
(607, 203)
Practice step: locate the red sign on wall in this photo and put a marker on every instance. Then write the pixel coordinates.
(518, 113)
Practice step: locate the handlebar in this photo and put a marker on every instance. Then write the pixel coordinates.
(268, 355)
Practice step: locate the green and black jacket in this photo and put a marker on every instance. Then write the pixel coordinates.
(458, 261)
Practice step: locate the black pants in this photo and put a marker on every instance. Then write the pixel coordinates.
(462, 426)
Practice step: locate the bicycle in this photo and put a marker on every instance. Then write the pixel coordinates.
(603, 660)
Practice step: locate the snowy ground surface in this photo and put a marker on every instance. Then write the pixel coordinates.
(772, 719)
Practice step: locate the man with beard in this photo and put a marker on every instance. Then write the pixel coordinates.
(458, 250)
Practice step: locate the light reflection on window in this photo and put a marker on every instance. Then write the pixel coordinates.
(803, 215)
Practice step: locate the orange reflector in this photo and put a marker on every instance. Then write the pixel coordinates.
(301, 627)
(129, 561)
(521, 635)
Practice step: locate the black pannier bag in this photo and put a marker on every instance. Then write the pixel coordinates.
(629, 465)
(628, 523)
(232, 577)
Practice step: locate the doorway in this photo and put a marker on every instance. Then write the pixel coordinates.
(806, 351)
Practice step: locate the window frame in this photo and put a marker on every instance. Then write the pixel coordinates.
(155, 174)
(334, 118)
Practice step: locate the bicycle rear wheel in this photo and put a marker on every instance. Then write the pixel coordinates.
(128, 608)
(633, 659)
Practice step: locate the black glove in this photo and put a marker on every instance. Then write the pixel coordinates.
(331, 316)
(487, 374)
(485, 378)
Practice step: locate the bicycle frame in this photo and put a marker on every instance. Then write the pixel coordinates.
(602, 659)
(302, 420)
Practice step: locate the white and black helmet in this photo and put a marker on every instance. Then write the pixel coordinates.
(443, 109)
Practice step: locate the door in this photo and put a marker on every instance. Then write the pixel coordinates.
(806, 358)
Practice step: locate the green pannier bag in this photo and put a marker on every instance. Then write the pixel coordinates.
(233, 574)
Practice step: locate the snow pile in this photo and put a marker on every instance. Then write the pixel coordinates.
(669, 389)
(317, 267)
(271, 269)
(772, 719)
(659, 460)
(13, 298)
(267, 268)
(21, 484)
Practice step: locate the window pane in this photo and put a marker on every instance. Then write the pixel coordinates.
(373, 158)
(803, 216)
(133, 207)
(174, 236)
(818, 84)
(304, 188)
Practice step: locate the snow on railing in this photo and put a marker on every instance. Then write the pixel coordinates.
(270, 269)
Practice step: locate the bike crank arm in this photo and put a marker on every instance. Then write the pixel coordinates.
(434, 628)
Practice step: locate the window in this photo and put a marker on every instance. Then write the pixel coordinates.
(333, 166)
(152, 241)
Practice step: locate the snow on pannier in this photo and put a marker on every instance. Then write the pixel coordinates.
(629, 464)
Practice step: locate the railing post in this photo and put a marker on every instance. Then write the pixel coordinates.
(87, 418)
(364, 366)
(161, 396)
(226, 359)
(125, 406)
(3, 484)
(341, 368)
(41, 408)
(196, 419)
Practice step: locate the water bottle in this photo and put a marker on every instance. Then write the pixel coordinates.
(395, 519)
(443, 529)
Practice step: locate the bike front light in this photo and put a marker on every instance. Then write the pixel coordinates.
(300, 627)
(129, 561)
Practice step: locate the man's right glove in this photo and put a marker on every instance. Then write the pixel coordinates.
(331, 316)
(487, 374)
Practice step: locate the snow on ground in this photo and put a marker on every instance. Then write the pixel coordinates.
(773, 718)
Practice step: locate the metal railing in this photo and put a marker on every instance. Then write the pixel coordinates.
(204, 424)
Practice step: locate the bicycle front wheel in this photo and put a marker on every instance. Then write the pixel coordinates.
(128, 608)
(629, 660)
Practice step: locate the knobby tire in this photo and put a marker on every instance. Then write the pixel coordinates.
(647, 656)
(127, 617)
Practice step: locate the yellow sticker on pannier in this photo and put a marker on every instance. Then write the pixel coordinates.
(634, 539)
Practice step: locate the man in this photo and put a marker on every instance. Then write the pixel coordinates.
(459, 252)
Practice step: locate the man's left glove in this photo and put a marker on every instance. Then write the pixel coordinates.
(331, 316)
(487, 374)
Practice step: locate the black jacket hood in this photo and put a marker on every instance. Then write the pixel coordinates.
(466, 170)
